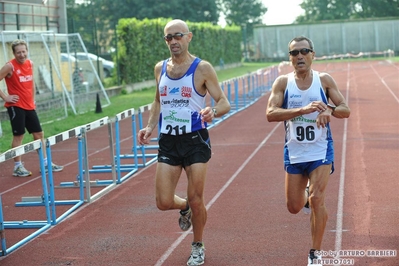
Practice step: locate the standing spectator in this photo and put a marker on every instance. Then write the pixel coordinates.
(179, 107)
(301, 99)
(20, 103)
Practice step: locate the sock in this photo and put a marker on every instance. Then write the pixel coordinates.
(198, 244)
(45, 161)
(17, 164)
(186, 209)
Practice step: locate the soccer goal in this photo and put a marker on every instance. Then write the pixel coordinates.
(63, 83)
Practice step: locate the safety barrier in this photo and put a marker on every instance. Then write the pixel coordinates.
(241, 93)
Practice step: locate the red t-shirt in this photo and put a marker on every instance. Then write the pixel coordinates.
(21, 83)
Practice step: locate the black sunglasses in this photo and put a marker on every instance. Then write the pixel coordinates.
(176, 36)
(303, 51)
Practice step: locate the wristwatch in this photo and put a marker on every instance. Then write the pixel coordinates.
(214, 112)
(332, 107)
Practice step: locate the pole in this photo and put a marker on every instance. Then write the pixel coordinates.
(244, 37)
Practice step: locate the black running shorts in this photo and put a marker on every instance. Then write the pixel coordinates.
(185, 149)
(21, 119)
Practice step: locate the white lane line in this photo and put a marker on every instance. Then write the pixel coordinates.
(385, 84)
(166, 255)
(340, 208)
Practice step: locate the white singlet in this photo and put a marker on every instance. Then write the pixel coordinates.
(304, 142)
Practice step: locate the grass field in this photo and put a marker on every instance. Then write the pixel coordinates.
(118, 104)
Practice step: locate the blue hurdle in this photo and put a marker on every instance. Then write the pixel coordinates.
(76, 132)
(138, 156)
(42, 225)
(253, 86)
(83, 178)
(119, 167)
(146, 158)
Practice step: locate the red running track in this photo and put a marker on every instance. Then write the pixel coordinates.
(248, 223)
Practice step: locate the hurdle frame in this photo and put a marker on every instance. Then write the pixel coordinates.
(83, 162)
(41, 226)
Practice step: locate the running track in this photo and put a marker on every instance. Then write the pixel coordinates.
(248, 223)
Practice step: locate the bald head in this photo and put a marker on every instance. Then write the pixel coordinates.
(176, 24)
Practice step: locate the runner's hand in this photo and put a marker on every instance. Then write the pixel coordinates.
(143, 136)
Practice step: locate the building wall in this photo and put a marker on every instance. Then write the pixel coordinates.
(33, 15)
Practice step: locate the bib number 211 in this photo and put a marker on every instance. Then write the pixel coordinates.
(177, 130)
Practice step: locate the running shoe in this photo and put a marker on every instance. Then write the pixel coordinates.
(55, 168)
(197, 256)
(185, 219)
(314, 259)
(306, 208)
(21, 171)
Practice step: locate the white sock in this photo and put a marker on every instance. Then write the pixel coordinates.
(17, 164)
(45, 161)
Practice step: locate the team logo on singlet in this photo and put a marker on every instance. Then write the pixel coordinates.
(171, 117)
(186, 92)
(25, 78)
(174, 91)
(303, 119)
(163, 91)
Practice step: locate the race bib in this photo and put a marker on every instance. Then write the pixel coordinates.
(176, 122)
(304, 130)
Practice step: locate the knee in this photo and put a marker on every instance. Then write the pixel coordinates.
(18, 138)
(38, 135)
(196, 204)
(316, 201)
(163, 204)
(293, 207)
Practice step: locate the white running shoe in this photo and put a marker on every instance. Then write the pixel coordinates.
(197, 256)
(21, 171)
(54, 167)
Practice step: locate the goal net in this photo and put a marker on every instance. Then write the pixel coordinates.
(63, 83)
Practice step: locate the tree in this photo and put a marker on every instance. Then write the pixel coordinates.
(239, 12)
(375, 8)
(95, 20)
(194, 10)
(319, 10)
(111, 11)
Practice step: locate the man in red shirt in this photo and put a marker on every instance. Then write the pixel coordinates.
(20, 102)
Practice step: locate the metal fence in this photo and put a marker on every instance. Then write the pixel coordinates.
(271, 42)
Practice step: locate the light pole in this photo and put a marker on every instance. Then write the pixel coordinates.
(244, 39)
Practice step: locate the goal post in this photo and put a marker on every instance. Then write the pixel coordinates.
(63, 84)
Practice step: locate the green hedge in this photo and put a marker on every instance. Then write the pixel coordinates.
(141, 46)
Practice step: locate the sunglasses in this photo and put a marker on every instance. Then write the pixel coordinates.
(176, 36)
(303, 51)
